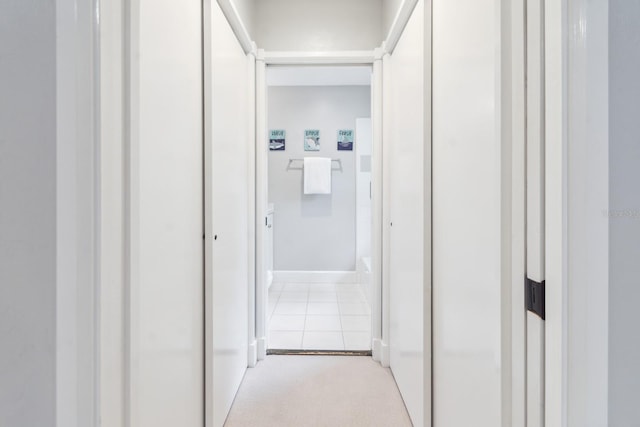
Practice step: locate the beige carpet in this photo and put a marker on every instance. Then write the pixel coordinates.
(335, 391)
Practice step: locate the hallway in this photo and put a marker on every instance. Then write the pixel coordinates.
(318, 391)
(485, 177)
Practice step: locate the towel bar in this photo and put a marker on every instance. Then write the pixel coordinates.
(301, 160)
(338, 161)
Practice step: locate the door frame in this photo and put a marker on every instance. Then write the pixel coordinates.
(264, 59)
(576, 212)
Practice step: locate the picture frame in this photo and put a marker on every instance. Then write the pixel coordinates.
(277, 140)
(345, 140)
(312, 140)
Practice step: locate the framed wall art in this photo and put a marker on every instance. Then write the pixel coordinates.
(345, 140)
(311, 140)
(277, 139)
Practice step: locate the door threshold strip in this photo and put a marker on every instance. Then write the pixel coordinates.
(284, 352)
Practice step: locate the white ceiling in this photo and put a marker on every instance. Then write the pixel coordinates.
(318, 76)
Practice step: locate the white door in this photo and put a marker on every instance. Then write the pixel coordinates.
(407, 213)
(466, 214)
(227, 215)
(166, 216)
(535, 210)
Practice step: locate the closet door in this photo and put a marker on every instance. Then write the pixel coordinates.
(466, 214)
(408, 234)
(227, 215)
(166, 215)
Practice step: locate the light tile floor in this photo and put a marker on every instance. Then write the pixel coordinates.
(318, 316)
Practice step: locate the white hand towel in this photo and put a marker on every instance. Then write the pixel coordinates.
(317, 175)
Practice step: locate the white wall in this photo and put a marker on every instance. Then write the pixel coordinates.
(166, 206)
(624, 213)
(227, 133)
(409, 231)
(47, 234)
(314, 232)
(28, 214)
(310, 25)
(466, 213)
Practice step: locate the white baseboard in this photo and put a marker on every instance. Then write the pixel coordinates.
(380, 352)
(316, 276)
(262, 348)
(269, 278)
(364, 265)
(376, 349)
(253, 354)
(385, 361)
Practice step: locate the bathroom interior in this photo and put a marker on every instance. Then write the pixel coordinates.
(319, 218)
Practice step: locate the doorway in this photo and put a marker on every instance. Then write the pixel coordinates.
(318, 283)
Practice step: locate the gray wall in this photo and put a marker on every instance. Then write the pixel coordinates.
(27, 212)
(318, 25)
(314, 232)
(624, 223)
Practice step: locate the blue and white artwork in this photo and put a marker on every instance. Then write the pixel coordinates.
(345, 140)
(277, 140)
(311, 140)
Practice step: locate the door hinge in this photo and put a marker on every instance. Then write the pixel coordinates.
(534, 297)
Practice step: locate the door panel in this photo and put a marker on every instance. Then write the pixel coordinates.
(407, 230)
(227, 129)
(167, 256)
(466, 214)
